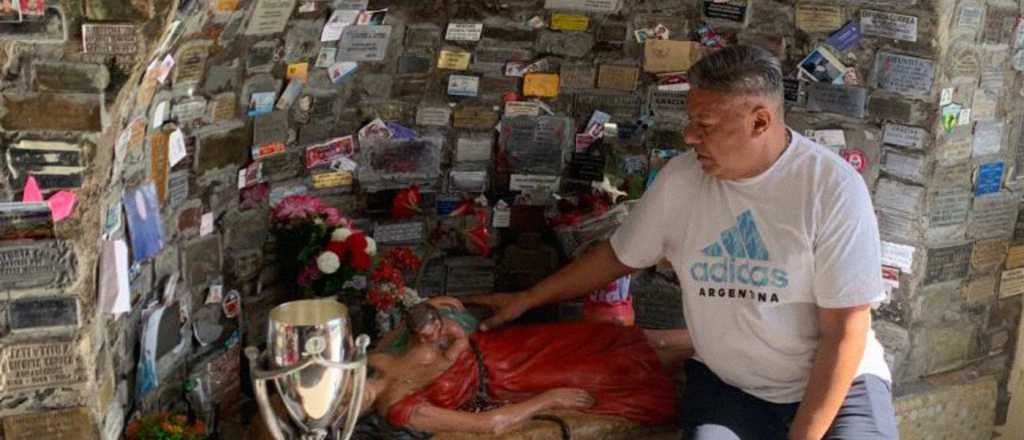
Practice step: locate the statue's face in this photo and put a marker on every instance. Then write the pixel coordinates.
(431, 331)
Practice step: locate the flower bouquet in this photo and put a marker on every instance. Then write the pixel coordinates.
(318, 249)
(165, 426)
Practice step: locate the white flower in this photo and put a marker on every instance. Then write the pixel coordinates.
(371, 247)
(328, 262)
(341, 234)
(410, 297)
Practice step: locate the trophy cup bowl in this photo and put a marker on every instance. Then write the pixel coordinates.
(318, 371)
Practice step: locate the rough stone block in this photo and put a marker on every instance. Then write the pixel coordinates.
(962, 411)
(51, 112)
(70, 77)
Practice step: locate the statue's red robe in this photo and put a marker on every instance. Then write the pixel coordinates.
(614, 364)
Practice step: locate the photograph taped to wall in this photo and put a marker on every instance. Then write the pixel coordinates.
(822, 66)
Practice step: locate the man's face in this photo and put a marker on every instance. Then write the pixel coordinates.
(722, 131)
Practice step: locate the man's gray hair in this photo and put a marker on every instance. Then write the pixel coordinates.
(739, 69)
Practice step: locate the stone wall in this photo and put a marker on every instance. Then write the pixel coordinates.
(128, 102)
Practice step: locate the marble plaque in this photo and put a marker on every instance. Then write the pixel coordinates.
(953, 150)
(988, 254)
(40, 365)
(398, 233)
(177, 188)
(729, 10)
(190, 63)
(475, 117)
(992, 216)
(617, 77)
(189, 110)
(818, 17)
(948, 176)
(575, 77)
(111, 39)
(948, 207)
(891, 194)
(888, 25)
(474, 148)
(847, 101)
(898, 226)
(65, 424)
(905, 165)
(988, 138)
(364, 43)
(947, 264)
(905, 136)
(37, 264)
(595, 6)
(270, 17)
(536, 145)
(668, 108)
(270, 128)
(969, 16)
(464, 31)
(904, 75)
(623, 107)
(36, 313)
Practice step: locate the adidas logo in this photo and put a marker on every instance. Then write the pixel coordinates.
(742, 242)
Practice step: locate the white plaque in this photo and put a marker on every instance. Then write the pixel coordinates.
(521, 108)
(437, 116)
(904, 136)
(898, 255)
(598, 6)
(464, 31)
(532, 182)
(364, 43)
(988, 137)
(1011, 283)
(888, 25)
(898, 196)
(270, 17)
(474, 148)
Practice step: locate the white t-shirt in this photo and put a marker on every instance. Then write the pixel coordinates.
(756, 257)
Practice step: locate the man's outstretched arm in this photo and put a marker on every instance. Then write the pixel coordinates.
(595, 269)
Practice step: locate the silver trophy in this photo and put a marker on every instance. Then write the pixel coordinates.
(319, 373)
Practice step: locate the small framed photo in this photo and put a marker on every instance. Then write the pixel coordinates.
(822, 66)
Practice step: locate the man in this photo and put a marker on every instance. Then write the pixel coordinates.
(776, 247)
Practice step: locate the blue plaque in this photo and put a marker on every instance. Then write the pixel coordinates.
(847, 37)
(990, 178)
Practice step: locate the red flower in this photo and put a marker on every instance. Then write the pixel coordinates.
(406, 203)
(361, 261)
(381, 299)
(338, 248)
(478, 239)
(465, 207)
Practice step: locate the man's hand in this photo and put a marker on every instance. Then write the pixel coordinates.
(506, 307)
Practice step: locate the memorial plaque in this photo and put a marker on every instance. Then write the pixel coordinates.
(623, 107)
(980, 289)
(31, 220)
(533, 182)
(331, 179)
(422, 35)
(569, 22)
(464, 31)
(414, 65)
(270, 17)
(595, 6)
(51, 112)
(474, 181)
(29, 156)
(475, 117)
(905, 75)
(990, 178)
(398, 233)
(905, 136)
(576, 77)
(730, 10)
(72, 77)
(1000, 23)
(988, 254)
(111, 39)
(463, 85)
(364, 43)
(793, 91)
(190, 63)
(818, 18)
(964, 61)
(64, 424)
(521, 108)
(474, 148)
(829, 98)
(663, 56)
(262, 56)
(993, 216)
(177, 188)
(898, 226)
(36, 313)
(611, 36)
(668, 109)
(44, 365)
(948, 207)
(536, 145)
(223, 107)
(905, 165)
(892, 109)
(189, 110)
(983, 109)
(38, 264)
(898, 196)
(469, 274)
(567, 44)
(888, 25)
(302, 42)
(947, 264)
(988, 138)
(897, 255)
(616, 77)
(1011, 283)
(1015, 257)
(969, 16)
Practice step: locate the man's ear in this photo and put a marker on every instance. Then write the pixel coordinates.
(761, 117)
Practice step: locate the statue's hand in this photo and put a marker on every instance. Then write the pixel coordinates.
(449, 302)
(506, 307)
(568, 398)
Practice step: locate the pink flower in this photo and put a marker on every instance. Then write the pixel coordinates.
(333, 217)
(297, 207)
(309, 275)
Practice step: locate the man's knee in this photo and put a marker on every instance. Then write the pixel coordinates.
(712, 432)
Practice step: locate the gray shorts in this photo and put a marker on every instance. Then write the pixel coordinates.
(715, 410)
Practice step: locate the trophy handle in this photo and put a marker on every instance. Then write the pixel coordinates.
(278, 429)
(359, 387)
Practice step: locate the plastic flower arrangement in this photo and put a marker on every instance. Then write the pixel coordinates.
(165, 426)
(318, 249)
